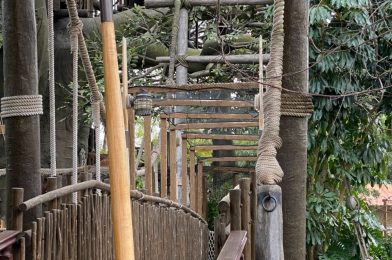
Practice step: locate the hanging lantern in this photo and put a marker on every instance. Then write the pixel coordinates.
(143, 104)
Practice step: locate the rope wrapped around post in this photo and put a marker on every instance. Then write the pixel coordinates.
(23, 105)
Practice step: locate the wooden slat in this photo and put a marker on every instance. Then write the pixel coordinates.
(199, 148)
(163, 164)
(147, 154)
(200, 194)
(221, 137)
(229, 159)
(186, 126)
(192, 179)
(132, 160)
(184, 175)
(203, 103)
(173, 173)
(229, 170)
(235, 243)
(209, 116)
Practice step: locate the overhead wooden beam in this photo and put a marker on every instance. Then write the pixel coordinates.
(203, 103)
(236, 59)
(210, 116)
(228, 170)
(216, 125)
(199, 148)
(229, 159)
(170, 3)
(221, 137)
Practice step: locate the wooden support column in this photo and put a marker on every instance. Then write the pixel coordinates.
(236, 179)
(184, 175)
(22, 138)
(17, 218)
(52, 185)
(235, 209)
(132, 148)
(173, 170)
(163, 133)
(253, 212)
(205, 197)
(269, 225)
(245, 216)
(192, 179)
(147, 154)
(200, 194)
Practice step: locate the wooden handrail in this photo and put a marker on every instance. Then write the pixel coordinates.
(235, 243)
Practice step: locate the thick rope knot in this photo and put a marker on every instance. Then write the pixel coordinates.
(24, 105)
(181, 59)
(186, 4)
(75, 28)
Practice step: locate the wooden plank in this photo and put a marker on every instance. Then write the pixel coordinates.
(170, 3)
(221, 137)
(192, 179)
(229, 159)
(199, 148)
(229, 170)
(147, 154)
(163, 155)
(209, 116)
(235, 243)
(203, 103)
(173, 172)
(184, 174)
(187, 126)
(132, 149)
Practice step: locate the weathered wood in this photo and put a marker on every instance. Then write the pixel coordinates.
(236, 59)
(17, 215)
(187, 126)
(232, 250)
(170, 3)
(205, 197)
(245, 215)
(52, 185)
(209, 116)
(199, 148)
(219, 234)
(192, 179)
(253, 213)
(229, 159)
(147, 154)
(132, 148)
(163, 161)
(235, 209)
(202, 103)
(269, 226)
(173, 170)
(184, 174)
(200, 194)
(221, 137)
(229, 170)
(236, 180)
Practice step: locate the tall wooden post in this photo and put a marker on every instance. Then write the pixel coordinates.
(184, 177)
(192, 179)
(235, 209)
(173, 170)
(245, 216)
(131, 147)
(200, 194)
(163, 133)
(118, 161)
(147, 154)
(22, 138)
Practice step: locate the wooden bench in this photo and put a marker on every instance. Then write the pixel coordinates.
(235, 243)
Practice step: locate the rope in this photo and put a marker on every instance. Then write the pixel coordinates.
(186, 4)
(52, 94)
(23, 105)
(173, 43)
(97, 122)
(268, 170)
(181, 59)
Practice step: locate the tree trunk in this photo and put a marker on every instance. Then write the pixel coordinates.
(293, 155)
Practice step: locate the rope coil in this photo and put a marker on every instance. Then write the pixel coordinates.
(23, 105)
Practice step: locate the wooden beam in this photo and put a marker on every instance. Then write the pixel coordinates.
(216, 125)
(199, 148)
(236, 59)
(245, 215)
(184, 176)
(163, 164)
(132, 149)
(210, 116)
(170, 3)
(229, 170)
(221, 137)
(203, 103)
(200, 194)
(192, 179)
(229, 159)
(147, 154)
(173, 173)
(234, 246)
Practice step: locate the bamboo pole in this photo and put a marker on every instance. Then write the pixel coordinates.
(173, 172)
(163, 133)
(125, 84)
(118, 161)
(147, 154)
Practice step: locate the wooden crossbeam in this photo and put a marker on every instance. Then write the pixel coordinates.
(235, 59)
(209, 116)
(170, 3)
(221, 137)
(203, 103)
(199, 148)
(229, 159)
(228, 170)
(216, 125)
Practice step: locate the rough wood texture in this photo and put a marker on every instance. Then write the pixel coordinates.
(147, 154)
(118, 161)
(52, 185)
(203, 103)
(187, 126)
(229, 170)
(205, 197)
(200, 194)
(131, 147)
(237, 59)
(235, 209)
(184, 174)
(224, 147)
(173, 172)
(269, 225)
(232, 250)
(163, 161)
(209, 116)
(221, 137)
(22, 139)
(170, 3)
(245, 215)
(229, 159)
(292, 156)
(192, 179)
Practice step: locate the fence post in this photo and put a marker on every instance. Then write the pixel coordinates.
(17, 221)
(245, 215)
(235, 209)
(52, 185)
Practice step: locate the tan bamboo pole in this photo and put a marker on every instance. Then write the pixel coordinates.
(184, 166)
(147, 154)
(118, 161)
(163, 133)
(173, 173)
(192, 179)
(125, 84)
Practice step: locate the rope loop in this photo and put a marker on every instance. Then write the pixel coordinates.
(23, 105)
(181, 59)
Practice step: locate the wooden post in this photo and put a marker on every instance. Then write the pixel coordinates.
(385, 217)
(147, 154)
(118, 161)
(192, 179)
(205, 196)
(184, 174)
(253, 213)
(132, 148)
(219, 234)
(200, 194)
(235, 209)
(269, 226)
(52, 185)
(163, 133)
(125, 86)
(20, 71)
(236, 179)
(173, 172)
(245, 216)
(17, 215)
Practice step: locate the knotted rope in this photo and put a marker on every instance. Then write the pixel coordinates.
(23, 105)
(268, 170)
